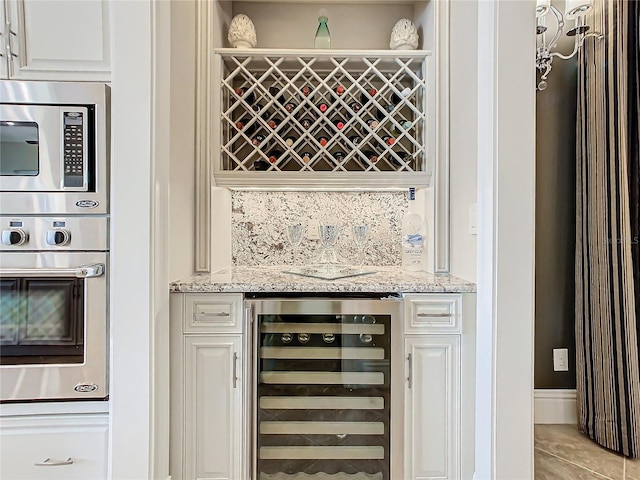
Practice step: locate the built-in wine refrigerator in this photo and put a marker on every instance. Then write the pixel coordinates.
(327, 388)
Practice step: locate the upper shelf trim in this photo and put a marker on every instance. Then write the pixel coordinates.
(312, 52)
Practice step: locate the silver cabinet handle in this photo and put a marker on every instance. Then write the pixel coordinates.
(235, 369)
(205, 316)
(409, 377)
(434, 315)
(85, 271)
(47, 462)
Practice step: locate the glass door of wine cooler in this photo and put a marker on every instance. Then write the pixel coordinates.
(324, 388)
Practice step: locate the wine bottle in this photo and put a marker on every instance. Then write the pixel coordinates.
(290, 106)
(371, 155)
(257, 107)
(355, 139)
(242, 125)
(372, 123)
(273, 123)
(364, 97)
(339, 123)
(257, 140)
(412, 236)
(339, 157)
(306, 90)
(290, 140)
(355, 106)
(250, 98)
(323, 141)
(260, 165)
(389, 140)
(381, 115)
(306, 156)
(274, 92)
(404, 126)
(323, 106)
(306, 123)
(274, 155)
(339, 90)
(404, 93)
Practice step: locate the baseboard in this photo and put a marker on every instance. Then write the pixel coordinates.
(555, 406)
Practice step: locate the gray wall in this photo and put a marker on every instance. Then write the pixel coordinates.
(555, 221)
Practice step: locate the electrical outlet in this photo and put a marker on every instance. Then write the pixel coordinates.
(313, 232)
(560, 359)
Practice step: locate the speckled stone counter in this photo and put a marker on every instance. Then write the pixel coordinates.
(273, 279)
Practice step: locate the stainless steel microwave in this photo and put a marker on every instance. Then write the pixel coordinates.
(54, 147)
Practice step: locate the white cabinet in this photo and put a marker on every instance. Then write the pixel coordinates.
(208, 383)
(51, 447)
(439, 388)
(61, 40)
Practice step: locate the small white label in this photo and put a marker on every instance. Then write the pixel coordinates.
(561, 359)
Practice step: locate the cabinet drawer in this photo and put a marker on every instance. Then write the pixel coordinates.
(51, 448)
(433, 313)
(212, 313)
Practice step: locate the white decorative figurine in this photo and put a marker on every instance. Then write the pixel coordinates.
(242, 32)
(404, 35)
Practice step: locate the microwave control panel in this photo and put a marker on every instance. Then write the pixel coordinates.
(74, 147)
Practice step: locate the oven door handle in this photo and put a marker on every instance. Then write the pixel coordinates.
(84, 271)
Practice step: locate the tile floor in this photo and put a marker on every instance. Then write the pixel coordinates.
(562, 452)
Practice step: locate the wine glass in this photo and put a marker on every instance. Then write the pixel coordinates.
(328, 239)
(360, 237)
(295, 232)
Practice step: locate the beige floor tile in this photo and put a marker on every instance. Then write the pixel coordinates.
(548, 467)
(633, 469)
(565, 441)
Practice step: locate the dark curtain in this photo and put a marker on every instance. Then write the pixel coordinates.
(607, 231)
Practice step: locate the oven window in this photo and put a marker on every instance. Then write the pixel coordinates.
(41, 321)
(18, 149)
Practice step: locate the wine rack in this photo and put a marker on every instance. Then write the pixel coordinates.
(322, 117)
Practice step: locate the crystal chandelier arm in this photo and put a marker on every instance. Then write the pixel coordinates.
(576, 45)
(560, 29)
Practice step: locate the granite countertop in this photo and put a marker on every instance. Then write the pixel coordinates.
(275, 279)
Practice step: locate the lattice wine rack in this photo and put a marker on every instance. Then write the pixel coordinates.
(321, 117)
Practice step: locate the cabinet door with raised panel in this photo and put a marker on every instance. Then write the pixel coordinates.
(213, 407)
(432, 404)
(61, 40)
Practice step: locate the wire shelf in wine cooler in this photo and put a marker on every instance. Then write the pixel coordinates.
(335, 118)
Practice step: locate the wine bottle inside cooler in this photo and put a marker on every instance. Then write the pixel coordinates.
(306, 91)
(323, 106)
(306, 123)
(290, 140)
(382, 114)
(339, 122)
(306, 156)
(323, 141)
(339, 90)
(242, 125)
(371, 155)
(404, 126)
(261, 165)
(389, 140)
(404, 93)
(355, 139)
(355, 106)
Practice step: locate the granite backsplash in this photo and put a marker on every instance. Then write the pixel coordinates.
(259, 220)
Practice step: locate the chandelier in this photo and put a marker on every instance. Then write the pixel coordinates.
(575, 11)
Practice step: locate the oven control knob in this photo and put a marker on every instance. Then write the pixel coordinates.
(14, 237)
(58, 237)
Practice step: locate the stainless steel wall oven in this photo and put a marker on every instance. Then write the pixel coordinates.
(54, 244)
(327, 388)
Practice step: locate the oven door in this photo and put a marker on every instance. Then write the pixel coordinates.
(53, 326)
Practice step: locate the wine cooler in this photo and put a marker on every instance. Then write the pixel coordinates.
(325, 391)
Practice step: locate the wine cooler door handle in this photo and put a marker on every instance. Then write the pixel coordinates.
(254, 330)
(409, 376)
(235, 369)
(47, 462)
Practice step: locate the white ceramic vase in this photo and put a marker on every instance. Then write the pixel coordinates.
(242, 32)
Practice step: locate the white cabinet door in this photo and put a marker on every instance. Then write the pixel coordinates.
(213, 407)
(432, 407)
(51, 447)
(61, 40)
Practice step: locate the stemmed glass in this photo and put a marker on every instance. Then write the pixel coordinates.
(360, 237)
(328, 239)
(295, 232)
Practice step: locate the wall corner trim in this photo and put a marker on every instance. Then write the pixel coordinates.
(557, 406)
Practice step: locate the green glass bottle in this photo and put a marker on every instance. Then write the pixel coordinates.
(323, 38)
